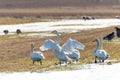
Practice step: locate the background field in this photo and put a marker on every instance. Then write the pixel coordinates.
(59, 8)
(58, 3)
(15, 52)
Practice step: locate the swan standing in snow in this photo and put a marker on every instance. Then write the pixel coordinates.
(69, 46)
(99, 52)
(58, 51)
(36, 55)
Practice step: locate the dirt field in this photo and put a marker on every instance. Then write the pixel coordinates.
(60, 12)
(15, 52)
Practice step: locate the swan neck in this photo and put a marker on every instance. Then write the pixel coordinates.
(58, 37)
(101, 46)
(32, 48)
(57, 47)
(97, 46)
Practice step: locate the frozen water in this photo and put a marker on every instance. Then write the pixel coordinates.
(86, 72)
(61, 25)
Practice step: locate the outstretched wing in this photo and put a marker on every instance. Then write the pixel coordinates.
(48, 44)
(71, 44)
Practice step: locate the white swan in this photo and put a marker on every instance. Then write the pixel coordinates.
(69, 46)
(36, 55)
(99, 52)
(58, 51)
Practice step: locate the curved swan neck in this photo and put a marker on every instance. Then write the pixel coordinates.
(100, 44)
(58, 36)
(57, 47)
(97, 45)
(32, 48)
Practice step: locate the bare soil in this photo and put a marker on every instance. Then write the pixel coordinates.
(15, 52)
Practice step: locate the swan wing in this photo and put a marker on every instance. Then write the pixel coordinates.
(48, 44)
(37, 55)
(61, 55)
(75, 54)
(71, 44)
(102, 54)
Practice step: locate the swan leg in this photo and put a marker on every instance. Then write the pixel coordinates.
(102, 60)
(33, 62)
(99, 60)
(66, 63)
(60, 63)
(70, 62)
(95, 59)
(77, 60)
(41, 62)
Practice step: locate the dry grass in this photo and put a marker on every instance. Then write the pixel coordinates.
(10, 20)
(15, 52)
(60, 12)
(62, 8)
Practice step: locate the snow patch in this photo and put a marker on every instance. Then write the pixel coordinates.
(50, 26)
(87, 72)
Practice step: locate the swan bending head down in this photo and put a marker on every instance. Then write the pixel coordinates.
(69, 46)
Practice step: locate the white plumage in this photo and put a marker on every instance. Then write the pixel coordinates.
(69, 46)
(58, 52)
(36, 55)
(99, 52)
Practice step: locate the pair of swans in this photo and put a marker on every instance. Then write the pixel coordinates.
(72, 52)
(36, 55)
(66, 52)
(99, 52)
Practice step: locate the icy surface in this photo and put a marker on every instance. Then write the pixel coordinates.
(86, 72)
(61, 25)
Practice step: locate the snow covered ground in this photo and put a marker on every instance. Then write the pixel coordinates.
(86, 72)
(61, 25)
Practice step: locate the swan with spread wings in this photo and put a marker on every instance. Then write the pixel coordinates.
(58, 51)
(69, 46)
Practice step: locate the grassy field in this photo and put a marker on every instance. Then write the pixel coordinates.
(60, 12)
(15, 52)
(59, 9)
(11, 20)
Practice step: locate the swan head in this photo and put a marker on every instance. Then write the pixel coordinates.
(95, 40)
(58, 36)
(55, 31)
